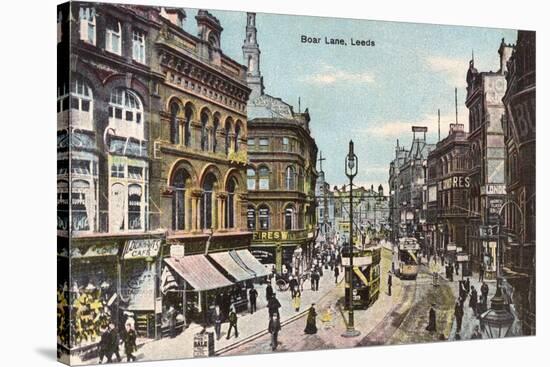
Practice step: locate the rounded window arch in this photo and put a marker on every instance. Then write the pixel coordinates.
(263, 178)
(251, 178)
(290, 178)
(230, 203)
(174, 123)
(237, 137)
(207, 203)
(264, 217)
(290, 217)
(227, 130)
(125, 104)
(204, 130)
(180, 183)
(189, 112)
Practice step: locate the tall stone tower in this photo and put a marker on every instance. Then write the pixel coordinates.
(251, 55)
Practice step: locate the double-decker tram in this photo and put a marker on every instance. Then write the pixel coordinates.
(365, 276)
(408, 257)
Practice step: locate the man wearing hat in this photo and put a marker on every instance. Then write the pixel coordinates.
(431, 319)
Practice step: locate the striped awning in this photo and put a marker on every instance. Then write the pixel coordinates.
(199, 272)
(250, 262)
(235, 270)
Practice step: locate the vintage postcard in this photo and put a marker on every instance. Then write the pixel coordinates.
(234, 183)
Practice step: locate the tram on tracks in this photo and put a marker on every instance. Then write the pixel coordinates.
(408, 257)
(365, 276)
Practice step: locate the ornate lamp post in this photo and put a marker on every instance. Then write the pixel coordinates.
(497, 320)
(351, 172)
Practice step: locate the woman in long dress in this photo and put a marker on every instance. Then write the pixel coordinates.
(311, 324)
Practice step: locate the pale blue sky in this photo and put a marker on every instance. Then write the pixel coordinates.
(369, 94)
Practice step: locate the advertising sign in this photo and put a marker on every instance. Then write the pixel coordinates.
(137, 249)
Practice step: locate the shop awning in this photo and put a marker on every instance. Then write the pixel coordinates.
(361, 275)
(199, 272)
(250, 262)
(228, 263)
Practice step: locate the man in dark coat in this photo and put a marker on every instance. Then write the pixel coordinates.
(311, 323)
(217, 318)
(252, 296)
(484, 292)
(459, 313)
(389, 283)
(336, 274)
(317, 276)
(113, 343)
(129, 339)
(457, 265)
(273, 328)
(473, 300)
(431, 319)
(268, 292)
(104, 346)
(232, 323)
(273, 306)
(293, 284)
(481, 272)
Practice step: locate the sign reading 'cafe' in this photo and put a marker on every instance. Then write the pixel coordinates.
(136, 249)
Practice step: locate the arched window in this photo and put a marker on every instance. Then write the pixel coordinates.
(215, 127)
(237, 137)
(290, 178)
(86, 18)
(263, 216)
(251, 179)
(135, 194)
(113, 37)
(264, 178)
(251, 218)
(187, 126)
(174, 125)
(207, 206)
(227, 137)
(204, 131)
(230, 204)
(179, 182)
(125, 105)
(290, 222)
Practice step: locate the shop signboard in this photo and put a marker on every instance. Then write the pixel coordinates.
(357, 260)
(203, 344)
(177, 251)
(462, 258)
(143, 248)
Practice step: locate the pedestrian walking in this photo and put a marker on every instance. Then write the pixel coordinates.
(252, 296)
(431, 319)
(312, 279)
(336, 274)
(317, 277)
(476, 334)
(217, 319)
(293, 284)
(274, 327)
(311, 323)
(129, 340)
(484, 292)
(473, 300)
(297, 300)
(273, 305)
(114, 342)
(389, 283)
(459, 313)
(481, 272)
(268, 292)
(103, 347)
(232, 323)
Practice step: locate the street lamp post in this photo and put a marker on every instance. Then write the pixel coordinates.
(351, 172)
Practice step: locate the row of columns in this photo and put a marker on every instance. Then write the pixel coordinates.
(193, 221)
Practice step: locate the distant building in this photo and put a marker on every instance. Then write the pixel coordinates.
(325, 205)
(447, 193)
(486, 157)
(281, 173)
(408, 187)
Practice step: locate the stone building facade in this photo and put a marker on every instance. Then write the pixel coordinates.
(486, 158)
(519, 123)
(448, 186)
(281, 173)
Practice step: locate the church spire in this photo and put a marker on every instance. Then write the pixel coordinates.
(251, 55)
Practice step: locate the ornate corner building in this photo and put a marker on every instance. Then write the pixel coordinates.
(281, 171)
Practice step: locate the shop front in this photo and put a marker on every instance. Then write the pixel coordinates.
(139, 264)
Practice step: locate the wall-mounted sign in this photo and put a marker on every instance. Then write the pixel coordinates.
(357, 260)
(177, 251)
(455, 182)
(493, 189)
(463, 258)
(137, 249)
(451, 247)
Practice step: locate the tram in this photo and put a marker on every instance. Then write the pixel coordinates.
(365, 277)
(408, 257)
